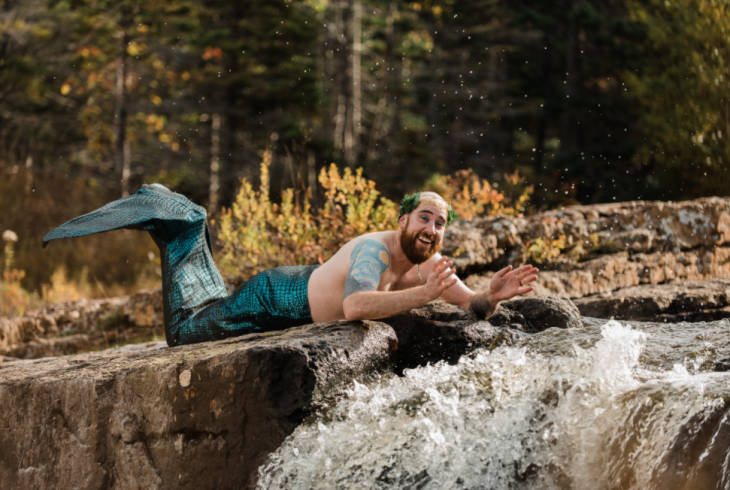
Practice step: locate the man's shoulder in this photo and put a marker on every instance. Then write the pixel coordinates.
(368, 246)
(377, 239)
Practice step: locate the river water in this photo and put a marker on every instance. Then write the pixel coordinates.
(611, 405)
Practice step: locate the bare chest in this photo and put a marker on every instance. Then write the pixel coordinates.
(393, 282)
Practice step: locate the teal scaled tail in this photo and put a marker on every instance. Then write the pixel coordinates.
(196, 305)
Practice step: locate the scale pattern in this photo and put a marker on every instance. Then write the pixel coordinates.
(196, 305)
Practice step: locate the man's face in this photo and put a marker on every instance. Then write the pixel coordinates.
(423, 233)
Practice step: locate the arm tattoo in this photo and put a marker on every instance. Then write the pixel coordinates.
(368, 261)
(481, 306)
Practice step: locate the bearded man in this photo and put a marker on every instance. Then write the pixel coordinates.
(373, 276)
(382, 274)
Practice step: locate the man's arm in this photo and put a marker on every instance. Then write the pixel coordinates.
(505, 284)
(363, 301)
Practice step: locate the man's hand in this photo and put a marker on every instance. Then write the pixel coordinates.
(509, 283)
(440, 279)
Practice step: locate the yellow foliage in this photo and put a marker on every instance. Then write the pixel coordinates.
(546, 250)
(134, 49)
(63, 289)
(256, 234)
(471, 196)
(13, 298)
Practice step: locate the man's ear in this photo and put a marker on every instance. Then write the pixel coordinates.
(402, 221)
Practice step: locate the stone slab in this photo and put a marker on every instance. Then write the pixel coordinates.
(200, 416)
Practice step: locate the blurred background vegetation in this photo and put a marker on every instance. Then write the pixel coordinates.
(567, 101)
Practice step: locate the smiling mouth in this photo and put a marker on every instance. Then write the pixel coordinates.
(425, 241)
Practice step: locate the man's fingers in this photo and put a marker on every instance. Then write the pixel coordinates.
(529, 280)
(526, 280)
(443, 275)
(522, 273)
(448, 283)
(525, 290)
(442, 265)
(503, 271)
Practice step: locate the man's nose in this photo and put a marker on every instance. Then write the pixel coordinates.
(431, 228)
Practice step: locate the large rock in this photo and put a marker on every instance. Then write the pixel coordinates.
(608, 273)
(635, 227)
(624, 244)
(200, 416)
(688, 301)
(436, 332)
(533, 315)
(439, 331)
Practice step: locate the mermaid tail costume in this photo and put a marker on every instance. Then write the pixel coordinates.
(196, 305)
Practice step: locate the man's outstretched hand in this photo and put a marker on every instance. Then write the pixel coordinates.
(440, 279)
(509, 283)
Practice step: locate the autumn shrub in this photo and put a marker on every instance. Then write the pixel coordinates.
(63, 288)
(256, 234)
(14, 300)
(471, 196)
(542, 250)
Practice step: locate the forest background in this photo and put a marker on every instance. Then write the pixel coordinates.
(564, 102)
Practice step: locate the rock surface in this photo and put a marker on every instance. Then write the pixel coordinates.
(436, 332)
(200, 416)
(679, 302)
(624, 245)
(722, 366)
(532, 315)
(81, 326)
(440, 331)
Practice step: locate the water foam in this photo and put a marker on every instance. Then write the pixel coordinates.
(511, 418)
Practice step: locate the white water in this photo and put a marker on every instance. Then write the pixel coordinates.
(609, 405)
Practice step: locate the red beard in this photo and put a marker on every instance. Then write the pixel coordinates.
(414, 252)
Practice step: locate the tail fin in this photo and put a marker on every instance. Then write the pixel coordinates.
(190, 278)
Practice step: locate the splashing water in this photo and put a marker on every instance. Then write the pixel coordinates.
(605, 406)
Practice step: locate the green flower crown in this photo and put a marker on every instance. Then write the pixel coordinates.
(410, 203)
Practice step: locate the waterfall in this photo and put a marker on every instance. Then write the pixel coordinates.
(609, 405)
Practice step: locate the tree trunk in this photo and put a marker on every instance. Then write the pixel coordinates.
(120, 107)
(29, 174)
(126, 167)
(434, 129)
(375, 130)
(341, 58)
(396, 67)
(215, 148)
(542, 121)
(566, 140)
(312, 176)
(231, 156)
(352, 137)
(727, 121)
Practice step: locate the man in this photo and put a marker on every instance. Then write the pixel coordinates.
(386, 273)
(373, 276)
